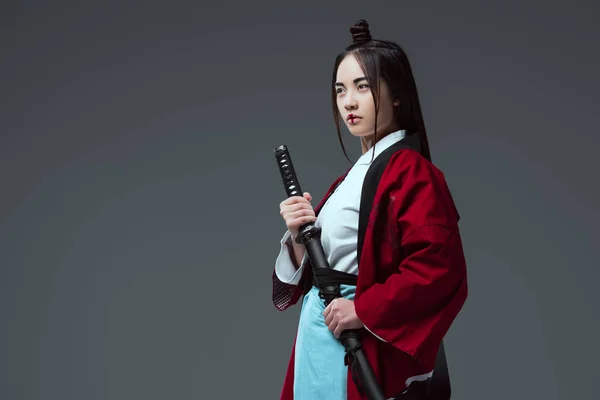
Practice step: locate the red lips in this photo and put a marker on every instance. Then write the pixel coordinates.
(352, 116)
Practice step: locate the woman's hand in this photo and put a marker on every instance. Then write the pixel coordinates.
(297, 211)
(340, 316)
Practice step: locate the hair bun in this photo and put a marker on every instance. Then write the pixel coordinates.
(360, 32)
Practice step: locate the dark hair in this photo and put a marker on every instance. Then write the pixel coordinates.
(388, 61)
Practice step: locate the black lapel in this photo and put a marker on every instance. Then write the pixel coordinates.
(371, 183)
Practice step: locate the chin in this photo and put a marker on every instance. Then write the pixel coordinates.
(359, 133)
(356, 131)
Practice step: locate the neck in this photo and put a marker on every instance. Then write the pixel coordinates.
(366, 142)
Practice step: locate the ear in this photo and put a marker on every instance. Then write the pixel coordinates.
(396, 102)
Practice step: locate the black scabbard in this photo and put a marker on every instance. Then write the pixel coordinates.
(309, 236)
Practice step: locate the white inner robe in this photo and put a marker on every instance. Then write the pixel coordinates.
(319, 367)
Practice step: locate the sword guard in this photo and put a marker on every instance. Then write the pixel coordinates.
(307, 233)
(330, 293)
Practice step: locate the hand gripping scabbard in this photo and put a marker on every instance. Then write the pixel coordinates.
(309, 236)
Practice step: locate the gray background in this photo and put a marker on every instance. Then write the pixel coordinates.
(139, 207)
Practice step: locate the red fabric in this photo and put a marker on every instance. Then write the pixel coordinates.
(412, 277)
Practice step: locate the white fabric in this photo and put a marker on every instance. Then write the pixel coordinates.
(317, 354)
(338, 220)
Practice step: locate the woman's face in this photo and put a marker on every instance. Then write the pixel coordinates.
(356, 105)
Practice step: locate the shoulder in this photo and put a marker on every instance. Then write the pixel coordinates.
(412, 182)
(409, 165)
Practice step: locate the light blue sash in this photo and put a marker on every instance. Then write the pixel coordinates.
(319, 370)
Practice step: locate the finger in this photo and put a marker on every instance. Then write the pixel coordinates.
(301, 213)
(300, 204)
(298, 207)
(329, 318)
(299, 199)
(339, 328)
(289, 212)
(334, 303)
(293, 200)
(298, 222)
(295, 207)
(288, 200)
(332, 326)
(330, 312)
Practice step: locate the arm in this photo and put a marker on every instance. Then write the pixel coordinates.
(415, 306)
(298, 250)
(290, 269)
(290, 261)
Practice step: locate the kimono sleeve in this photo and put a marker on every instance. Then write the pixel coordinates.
(415, 306)
(288, 277)
(286, 267)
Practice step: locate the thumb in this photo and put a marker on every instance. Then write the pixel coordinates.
(307, 196)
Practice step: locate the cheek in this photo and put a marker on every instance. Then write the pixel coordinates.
(368, 108)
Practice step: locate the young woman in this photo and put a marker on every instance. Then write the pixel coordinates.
(411, 276)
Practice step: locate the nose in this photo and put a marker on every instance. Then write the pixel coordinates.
(349, 102)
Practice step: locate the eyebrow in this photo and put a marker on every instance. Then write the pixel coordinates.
(355, 81)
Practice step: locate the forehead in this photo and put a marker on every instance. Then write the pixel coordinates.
(349, 69)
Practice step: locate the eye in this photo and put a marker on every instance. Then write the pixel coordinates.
(363, 85)
(338, 90)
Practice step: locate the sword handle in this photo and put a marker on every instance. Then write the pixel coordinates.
(308, 231)
(286, 169)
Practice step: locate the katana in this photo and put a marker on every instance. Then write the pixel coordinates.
(309, 235)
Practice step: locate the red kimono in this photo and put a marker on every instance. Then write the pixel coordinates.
(412, 279)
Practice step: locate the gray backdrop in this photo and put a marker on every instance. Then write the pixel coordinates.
(139, 207)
